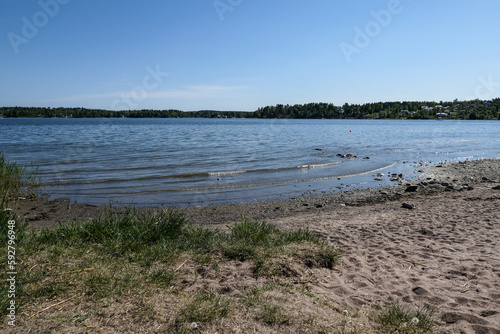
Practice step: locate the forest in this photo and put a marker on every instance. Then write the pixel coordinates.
(467, 110)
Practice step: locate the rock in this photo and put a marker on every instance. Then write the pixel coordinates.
(420, 291)
(457, 188)
(488, 313)
(319, 206)
(366, 158)
(407, 206)
(496, 188)
(411, 189)
(436, 186)
(318, 149)
(384, 193)
(377, 179)
(424, 231)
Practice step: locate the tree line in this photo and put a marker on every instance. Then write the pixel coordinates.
(475, 109)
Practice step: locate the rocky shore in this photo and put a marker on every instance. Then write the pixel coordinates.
(433, 180)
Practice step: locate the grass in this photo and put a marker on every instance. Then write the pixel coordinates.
(206, 306)
(15, 180)
(124, 254)
(397, 319)
(274, 315)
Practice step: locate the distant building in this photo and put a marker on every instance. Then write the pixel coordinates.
(407, 112)
(488, 104)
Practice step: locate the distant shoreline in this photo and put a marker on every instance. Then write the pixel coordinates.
(460, 110)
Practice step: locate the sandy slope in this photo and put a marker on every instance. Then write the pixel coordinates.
(445, 254)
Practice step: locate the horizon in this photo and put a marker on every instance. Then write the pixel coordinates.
(250, 111)
(240, 56)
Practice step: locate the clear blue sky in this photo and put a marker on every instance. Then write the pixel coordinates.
(244, 54)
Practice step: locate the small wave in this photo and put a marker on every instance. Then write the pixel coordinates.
(319, 165)
(66, 182)
(234, 186)
(227, 173)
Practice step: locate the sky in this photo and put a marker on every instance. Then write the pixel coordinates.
(242, 54)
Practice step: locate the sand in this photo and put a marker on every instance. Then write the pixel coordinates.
(443, 253)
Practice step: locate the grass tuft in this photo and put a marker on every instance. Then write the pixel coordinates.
(206, 306)
(274, 315)
(396, 319)
(15, 180)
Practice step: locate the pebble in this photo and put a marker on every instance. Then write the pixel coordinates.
(411, 189)
(407, 206)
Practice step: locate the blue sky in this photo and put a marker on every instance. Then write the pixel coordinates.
(242, 54)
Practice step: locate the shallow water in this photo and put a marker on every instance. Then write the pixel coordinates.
(207, 161)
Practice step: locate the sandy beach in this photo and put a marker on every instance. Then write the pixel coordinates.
(432, 242)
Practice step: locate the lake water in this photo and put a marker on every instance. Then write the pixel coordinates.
(205, 161)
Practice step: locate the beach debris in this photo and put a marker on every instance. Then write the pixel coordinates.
(346, 313)
(407, 206)
(415, 321)
(193, 325)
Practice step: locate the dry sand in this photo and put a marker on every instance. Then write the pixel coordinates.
(444, 253)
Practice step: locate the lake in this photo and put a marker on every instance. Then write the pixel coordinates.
(183, 162)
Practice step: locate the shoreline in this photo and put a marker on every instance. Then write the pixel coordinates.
(432, 243)
(432, 180)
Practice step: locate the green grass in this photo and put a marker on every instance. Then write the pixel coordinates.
(274, 315)
(15, 180)
(206, 306)
(397, 319)
(149, 245)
